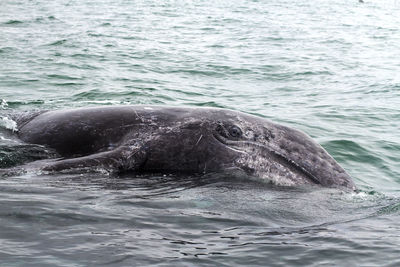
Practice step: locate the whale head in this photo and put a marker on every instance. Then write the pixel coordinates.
(277, 153)
(221, 140)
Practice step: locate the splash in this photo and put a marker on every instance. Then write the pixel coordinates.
(8, 124)
(3, 104)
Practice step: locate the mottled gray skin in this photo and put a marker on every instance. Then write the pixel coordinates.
(154, 139)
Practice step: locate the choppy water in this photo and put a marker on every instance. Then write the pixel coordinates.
(329, 68)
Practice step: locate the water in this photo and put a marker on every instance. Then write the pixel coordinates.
(327, 68)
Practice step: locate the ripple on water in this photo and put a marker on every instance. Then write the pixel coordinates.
(13, 22)
(58, 42)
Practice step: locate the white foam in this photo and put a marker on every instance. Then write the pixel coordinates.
(8, 124)
(3, 104)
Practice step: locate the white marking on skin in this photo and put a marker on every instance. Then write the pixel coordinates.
(148, 108)
(271, 172)
(137, 115)
(198, 140)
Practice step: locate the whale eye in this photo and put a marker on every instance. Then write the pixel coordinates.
(235, 132)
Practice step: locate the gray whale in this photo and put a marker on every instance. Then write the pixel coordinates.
(157, 139)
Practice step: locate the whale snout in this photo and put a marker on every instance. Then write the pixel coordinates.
(312, 159)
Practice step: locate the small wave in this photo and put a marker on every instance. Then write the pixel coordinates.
(63, 77)
(4, 50)
(67, 84)
(41, 19)
(59, 42)
(207, 104)
(17, 103)
(393, 208)
(352, 151)
(13, 22)
(310, 73)
(3, 104)
(98, 95)
(194, 72)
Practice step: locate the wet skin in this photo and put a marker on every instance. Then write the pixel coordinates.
(156, 139)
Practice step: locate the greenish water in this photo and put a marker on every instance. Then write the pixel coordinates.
(328, 68)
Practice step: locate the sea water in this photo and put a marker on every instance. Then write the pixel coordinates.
(329, 68)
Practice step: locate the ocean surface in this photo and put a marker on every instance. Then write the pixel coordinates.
(328, 68)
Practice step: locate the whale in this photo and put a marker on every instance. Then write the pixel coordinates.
(180, 140)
